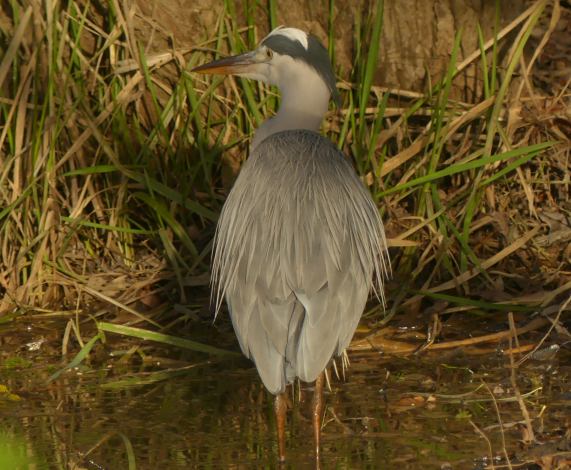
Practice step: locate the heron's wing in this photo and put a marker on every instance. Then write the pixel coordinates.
(262, 330)
(265, 313)
(297, 244)
(331, 317)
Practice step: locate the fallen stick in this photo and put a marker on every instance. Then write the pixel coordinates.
(396, 347)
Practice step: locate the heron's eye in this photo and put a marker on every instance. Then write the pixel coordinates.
(269, 53)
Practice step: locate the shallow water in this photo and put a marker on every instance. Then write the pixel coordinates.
(165, 409)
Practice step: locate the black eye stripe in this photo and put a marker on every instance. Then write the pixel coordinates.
(315, 56)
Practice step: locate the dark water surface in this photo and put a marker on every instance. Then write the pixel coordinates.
(151, 407)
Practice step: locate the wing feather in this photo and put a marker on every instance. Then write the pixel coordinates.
(299, 246)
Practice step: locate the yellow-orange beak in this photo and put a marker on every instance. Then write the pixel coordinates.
(229, 65)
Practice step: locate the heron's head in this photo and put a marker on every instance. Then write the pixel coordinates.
(283, 56)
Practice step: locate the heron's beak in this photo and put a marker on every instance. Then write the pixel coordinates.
(234, 65)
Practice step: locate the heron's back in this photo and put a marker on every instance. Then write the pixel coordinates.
(298, 246)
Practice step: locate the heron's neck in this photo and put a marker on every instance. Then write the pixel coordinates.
(303, 106)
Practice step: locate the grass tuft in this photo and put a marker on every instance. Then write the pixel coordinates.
(115, 159)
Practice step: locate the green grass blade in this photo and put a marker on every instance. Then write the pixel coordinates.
(530, 152)
(161, 211)
(164, 339)
(79, 357)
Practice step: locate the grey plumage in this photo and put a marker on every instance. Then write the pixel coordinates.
(299, 245)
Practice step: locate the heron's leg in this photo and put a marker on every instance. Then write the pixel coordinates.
(280, 407)
(317, 412)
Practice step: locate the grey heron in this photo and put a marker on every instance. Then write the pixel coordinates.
(300, 243)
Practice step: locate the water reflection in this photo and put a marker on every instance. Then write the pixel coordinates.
(198, 413)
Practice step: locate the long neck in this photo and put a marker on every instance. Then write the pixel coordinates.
(304, 103)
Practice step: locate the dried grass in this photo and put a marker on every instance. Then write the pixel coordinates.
(115, 162)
